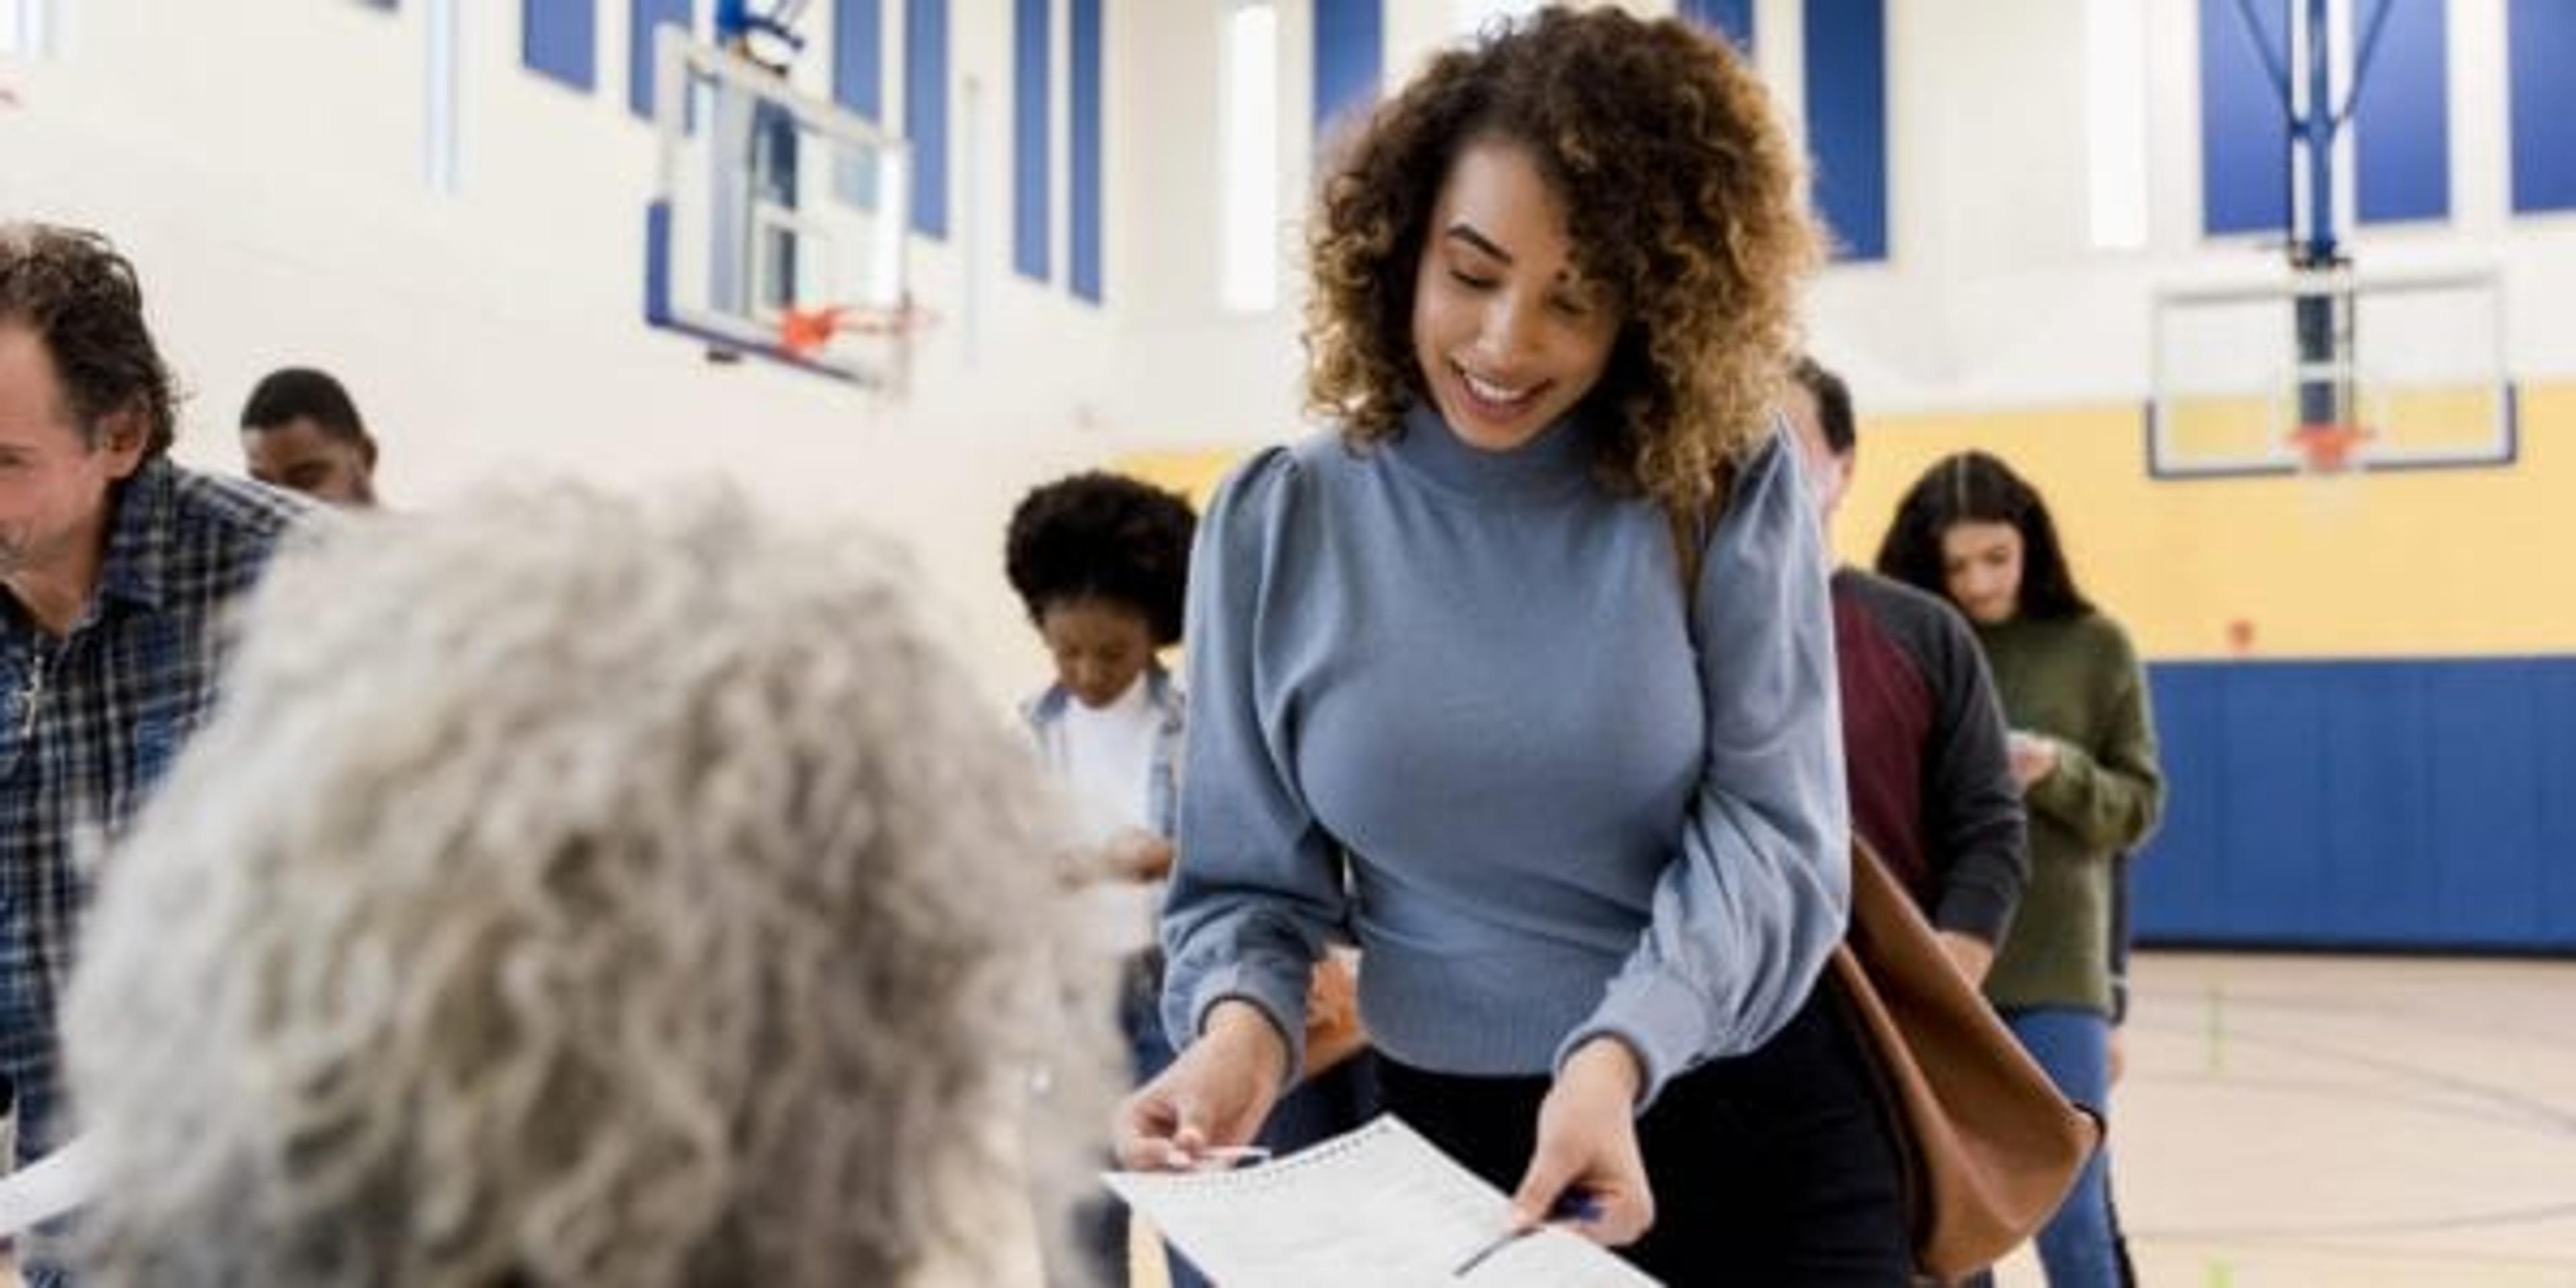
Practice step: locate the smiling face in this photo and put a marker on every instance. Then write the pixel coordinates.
(54, 479)
(1508, 333)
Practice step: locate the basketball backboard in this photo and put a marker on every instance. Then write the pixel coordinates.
(776, 227)
(2418, 380)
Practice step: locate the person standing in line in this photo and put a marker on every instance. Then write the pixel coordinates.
(119, 567)
(2083, 748)
(1454, 700)
(300, 431)
(1932, 790)
(1101, 563)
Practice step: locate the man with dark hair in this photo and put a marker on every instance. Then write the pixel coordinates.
(300, 431)
(1932, 790)
(117, 564)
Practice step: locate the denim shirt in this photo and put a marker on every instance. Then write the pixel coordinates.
(1045, 716)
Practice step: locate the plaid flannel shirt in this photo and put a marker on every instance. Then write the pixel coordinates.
(89, 722)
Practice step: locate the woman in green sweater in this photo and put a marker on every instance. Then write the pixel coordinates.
(2083, 748)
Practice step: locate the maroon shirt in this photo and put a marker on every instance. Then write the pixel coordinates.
(1923, 747)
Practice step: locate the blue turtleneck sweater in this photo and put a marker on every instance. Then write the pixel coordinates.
(1467, 676)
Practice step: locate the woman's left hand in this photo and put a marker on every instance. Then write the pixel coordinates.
(1587, 1143)
(2034, 756)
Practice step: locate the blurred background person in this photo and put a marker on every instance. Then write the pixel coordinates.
(1101, 562)
(119, 569)
(2083, 747)
(1932, 790)
(301, 432)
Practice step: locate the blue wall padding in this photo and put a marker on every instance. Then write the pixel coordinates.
(2419, 803)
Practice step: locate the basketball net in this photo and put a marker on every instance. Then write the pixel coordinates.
(2330, 448)
(2330, 458)
(804, 333)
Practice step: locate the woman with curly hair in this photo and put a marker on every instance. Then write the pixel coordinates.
(582, 892)
(1453, 700)
(2083, 749)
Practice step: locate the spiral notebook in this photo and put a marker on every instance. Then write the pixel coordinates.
(1375, 1206)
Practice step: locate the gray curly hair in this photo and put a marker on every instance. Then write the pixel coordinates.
(573, 891)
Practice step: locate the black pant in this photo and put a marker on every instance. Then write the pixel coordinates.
(1771, 1168)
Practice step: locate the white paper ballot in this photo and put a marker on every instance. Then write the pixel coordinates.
(1376, 1206)
(48, 1187)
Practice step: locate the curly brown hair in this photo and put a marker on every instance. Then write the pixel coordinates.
(1684, 200)
(70, 287)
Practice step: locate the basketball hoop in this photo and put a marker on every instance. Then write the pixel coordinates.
(805, 333)
(2330, 455)
(2329, 448)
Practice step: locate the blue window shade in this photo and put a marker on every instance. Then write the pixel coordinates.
(1087, 67)
(1846, 99)
(858, 56)
(559, 39)
(2244, 125)
(2402, 120)
(1031, 90)
(1350, 48)
(2540, 39)
(925, 111)
(1732, 19)
(645, 17)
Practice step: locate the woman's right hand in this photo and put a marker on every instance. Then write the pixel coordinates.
(1215, 1095)
(1587, 1144)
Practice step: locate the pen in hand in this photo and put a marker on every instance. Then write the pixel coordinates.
(1576, 1205)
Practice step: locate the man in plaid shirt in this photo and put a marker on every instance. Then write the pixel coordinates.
(118, 565)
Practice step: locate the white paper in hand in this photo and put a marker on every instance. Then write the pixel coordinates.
(1376, 1206)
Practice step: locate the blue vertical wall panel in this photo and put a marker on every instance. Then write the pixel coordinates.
(1084, 239)
(2244, 125)
(1846, 102)
(1032, 134)
(643, 17)
(2417, 803)
(1350, 50)
(559, 39)
(858, 56)
(2401, 119)
(925, 111)
(858, 85)
(1731, 18)
(2540, 44)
